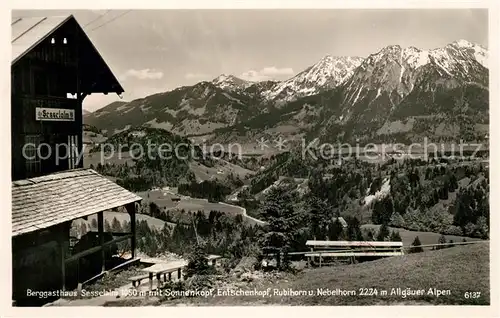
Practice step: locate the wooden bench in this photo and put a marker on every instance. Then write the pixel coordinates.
(352, 249)
(350, 254)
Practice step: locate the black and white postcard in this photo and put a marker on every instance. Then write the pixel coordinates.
(239, 156)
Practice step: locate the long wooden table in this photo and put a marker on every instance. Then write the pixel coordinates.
(160, 269)
(164, 269)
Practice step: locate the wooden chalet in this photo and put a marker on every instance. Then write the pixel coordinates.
(54, 67)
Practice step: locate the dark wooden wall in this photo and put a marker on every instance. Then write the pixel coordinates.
(36, 261)
(42, 78)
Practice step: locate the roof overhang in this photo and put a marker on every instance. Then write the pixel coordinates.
(95, 74)
(42, 202)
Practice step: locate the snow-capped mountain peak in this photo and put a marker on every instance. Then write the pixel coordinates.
(230, 82)
(397, 90)
(327, 73)
(479, 53)
(463, 43)
(395, 71)
(381, 67)
(458, 58)
(415, 57)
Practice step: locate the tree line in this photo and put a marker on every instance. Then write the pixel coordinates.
(415, 195)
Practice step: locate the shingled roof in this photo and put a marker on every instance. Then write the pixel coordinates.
(28, 32)
(41, 202)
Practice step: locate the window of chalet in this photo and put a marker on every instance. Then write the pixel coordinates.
(33, 162)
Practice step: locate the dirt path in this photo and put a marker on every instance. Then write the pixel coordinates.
(244, 213)
(205, 204)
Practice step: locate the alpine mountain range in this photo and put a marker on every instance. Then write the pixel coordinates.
(394, 95)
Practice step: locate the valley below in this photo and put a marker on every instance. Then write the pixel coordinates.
(393, 147)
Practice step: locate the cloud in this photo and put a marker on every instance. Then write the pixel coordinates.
(144, 74)
(267, 73)
(196, 76)
(96, 101)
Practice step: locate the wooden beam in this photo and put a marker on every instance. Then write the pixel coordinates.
(120, 233)
(100, 231)
(77, 256)
(97, 248)
(150, 284)
(79, 284)
(121, 266)
(62, 245)
(352, 254)
(158, 280)
(131, 211)
(317, 244)
(358, 249)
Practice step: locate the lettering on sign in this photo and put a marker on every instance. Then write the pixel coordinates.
(55, 114)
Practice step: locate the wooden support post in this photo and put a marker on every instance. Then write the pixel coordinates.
(158, 280)
(165, 277)
(62, 245)
(78, 279)
(100, 233)
(169, 276)
(179, 274)
(131, 211)
(150, 281)
(312, 259)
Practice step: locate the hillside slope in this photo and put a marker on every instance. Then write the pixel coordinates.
(459, 269)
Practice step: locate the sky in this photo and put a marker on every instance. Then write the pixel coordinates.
(154, 51)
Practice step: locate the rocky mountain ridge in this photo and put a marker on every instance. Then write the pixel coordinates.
(388, 93)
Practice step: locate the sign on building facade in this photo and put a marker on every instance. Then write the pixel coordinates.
(55, 114)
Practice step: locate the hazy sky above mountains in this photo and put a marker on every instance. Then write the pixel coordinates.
(158, 50)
